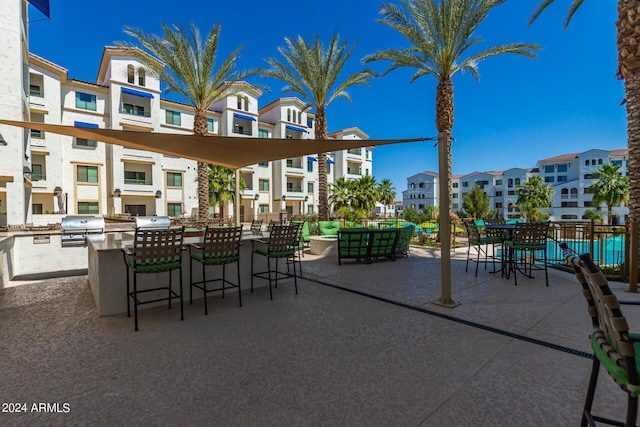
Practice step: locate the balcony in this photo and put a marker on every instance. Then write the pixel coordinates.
(38, 177)
(294, 163)
(140, 112)
(138, 181)
(355, 151)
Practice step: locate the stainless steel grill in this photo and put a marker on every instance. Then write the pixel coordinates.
(153, 222)
(76, 229)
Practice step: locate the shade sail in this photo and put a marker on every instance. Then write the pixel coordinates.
(136, 92)
(232, 152)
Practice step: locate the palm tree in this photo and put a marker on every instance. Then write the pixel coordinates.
(311, 71)
(364, 195)
(340, 197)
(441, 33)
(533, 195)
(628, 27)
(188, 67)
(387, 193)
(611, 188)
(222, 184)
(442, 44)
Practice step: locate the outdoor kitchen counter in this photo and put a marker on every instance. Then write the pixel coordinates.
(107, 271)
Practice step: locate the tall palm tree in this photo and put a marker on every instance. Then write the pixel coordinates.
(188, 67)
(387, 193)
(628, 27)
(611, 188)
(533, 195)
(222, 185)
(442, 39)
(311, 71)
(443, 43)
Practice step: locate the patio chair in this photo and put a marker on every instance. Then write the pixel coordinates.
(282, 243)
(614, 347)
(527, 240)
(271, 224)
(476, 240)
(256, 227)
(154, 251)
(328, 228)
(404, 239)
(221, 246)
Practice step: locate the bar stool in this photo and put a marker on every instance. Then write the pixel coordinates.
(282, 243)
(221, 246)
(154, 251)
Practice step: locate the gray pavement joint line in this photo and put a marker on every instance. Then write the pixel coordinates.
(458, 320)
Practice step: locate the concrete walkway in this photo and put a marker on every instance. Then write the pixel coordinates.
(360, 345)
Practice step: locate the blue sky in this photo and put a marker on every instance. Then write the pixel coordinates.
(568, 100)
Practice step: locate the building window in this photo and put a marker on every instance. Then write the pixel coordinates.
(263, 185)
(569, 204)
(517, 181)
(130, 74)
(588, 204)
(465, 184)
(574, 193)
(209, 125)
(141, 76)
(264, 164)
(36, 208)
(263, 208)
(562, 168)
(498, 193)
(586, 162)
(309, 209)
(87, 173)
(88, 208)
(263, 133)
(37, 134)
(288, 114)
(498, 205)
(309, 123)
(137, 210)
(35, 90)
(548, 169)
(136, 110)
(455, 185)
(174, 209)
(511, 193)
(562, 178)
(599, 161)
(616, 163)
(37, 174)
(309, 165)
(136, 177)
(310, 187)
(85, 101)
(328, 168)
(593, 162)
(454, 206)
(174, 179)
(455, 195)
(172, 117)
(549, 179)
(498, 182)
(413, 186)
(510, 183)
(81, 142)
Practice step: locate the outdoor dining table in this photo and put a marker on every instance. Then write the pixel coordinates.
(507, 234)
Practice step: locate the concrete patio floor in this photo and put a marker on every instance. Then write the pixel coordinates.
(360, 345)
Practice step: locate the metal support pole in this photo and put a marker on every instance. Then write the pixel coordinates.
(445, 223)
(236, 214)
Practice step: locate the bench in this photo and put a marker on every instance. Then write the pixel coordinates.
(365, 244)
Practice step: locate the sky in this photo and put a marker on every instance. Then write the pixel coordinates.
(567, 100)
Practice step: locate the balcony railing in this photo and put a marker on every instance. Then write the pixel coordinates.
(37, 134)
(294, 189)
(291, 164)
(136, 113)
(38, 177)
(138, 181)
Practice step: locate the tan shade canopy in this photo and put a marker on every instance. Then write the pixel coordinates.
(226, 151)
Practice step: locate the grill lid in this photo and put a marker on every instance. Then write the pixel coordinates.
(153, 222)
(82, 225)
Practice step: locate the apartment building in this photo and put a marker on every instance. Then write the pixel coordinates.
(45, 176)
(567, 174)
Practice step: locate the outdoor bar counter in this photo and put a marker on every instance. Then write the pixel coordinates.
(107, 271)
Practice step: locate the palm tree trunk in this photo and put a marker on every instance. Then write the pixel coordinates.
(444, 123)
(321, 133)
(629, 69)
(200, 128)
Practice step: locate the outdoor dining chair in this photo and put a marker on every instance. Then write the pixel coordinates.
(221, 246)
(480, 243)
(154, 251)
(282, 244)
(614, 347)
(256, 227)
(527, 241)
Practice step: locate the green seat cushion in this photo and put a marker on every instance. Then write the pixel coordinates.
(156, 266)
(329, 228)
(213, 259)
(617, 372)
(305, 231)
